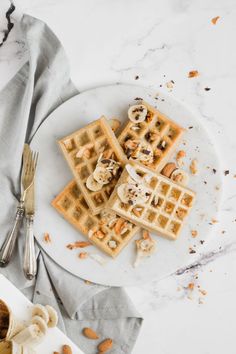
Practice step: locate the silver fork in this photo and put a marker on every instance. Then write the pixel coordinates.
(27, 179)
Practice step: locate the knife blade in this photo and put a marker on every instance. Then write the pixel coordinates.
(29, 198)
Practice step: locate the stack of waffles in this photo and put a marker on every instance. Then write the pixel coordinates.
(117, 187)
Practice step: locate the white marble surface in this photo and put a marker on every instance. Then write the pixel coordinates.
(111, 41)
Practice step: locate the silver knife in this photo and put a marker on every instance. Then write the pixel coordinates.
(29, 263)
(10, 241)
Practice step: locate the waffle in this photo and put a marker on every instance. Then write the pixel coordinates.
(93, 140)
(167, 205)
(73, 207)
(156, 130)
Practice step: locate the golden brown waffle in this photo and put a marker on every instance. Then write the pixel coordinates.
(93, 140)
(73, 207)
(156, 130)
(165, 210)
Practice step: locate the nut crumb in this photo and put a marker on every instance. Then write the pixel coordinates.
(193, 73)
(47, 238)
(194, 233)
(203, 292)
(83, 255)
(215, 19)
(78, 244)
(193, 167)
(191, 286)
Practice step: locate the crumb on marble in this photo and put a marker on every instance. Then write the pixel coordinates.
(136, 77)
(193, 167)
(47, 238)
(207, 88)
(226, 172)
(193, 73)
(194, 233)
(215, 19)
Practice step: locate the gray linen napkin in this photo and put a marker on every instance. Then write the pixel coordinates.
(41, 85)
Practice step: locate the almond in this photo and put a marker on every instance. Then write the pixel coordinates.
(78, 244)
(215, 19)
(105, 345)
(90, 333)
(119, 225)
(193, 73)
(66, 349)
(83, 255)
(168, 169)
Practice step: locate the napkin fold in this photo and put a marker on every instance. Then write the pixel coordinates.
(40, 86)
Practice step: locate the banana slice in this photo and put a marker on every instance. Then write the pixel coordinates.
(40, 310)
(30, 335)
(42, 325)
(180, 176)
(132, 193)
(102, 175)
(92, 184)
(53, 317)
(137, 113)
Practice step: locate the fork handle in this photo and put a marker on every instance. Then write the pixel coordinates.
(29, 265)
(9, 244)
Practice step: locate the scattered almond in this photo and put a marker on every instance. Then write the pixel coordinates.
(191, 286)
(78, 244)
(168, 169)
(136, 212)
(118, 226)
(214, 221)
(66, 349)
(146, 235)
(194, 233)
(83, 255)
(170, 84)
(193, 167)
(90, 333)
(105, 345)
(47, 238)
(193, 73)
(215, 19)
(179, 157)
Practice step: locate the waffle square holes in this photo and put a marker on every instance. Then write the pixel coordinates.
(169, 207)
(83, 139)
(66, 203)
(69, 144)
(175, 194)
(77, 213)
(162, 221)
(187, 200)
(174, 227)
(163, 188)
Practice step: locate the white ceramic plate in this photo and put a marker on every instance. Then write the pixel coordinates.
(53, 174)
(21, 307)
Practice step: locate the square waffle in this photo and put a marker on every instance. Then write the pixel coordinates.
(73, 207)
(158, 131)
(167, 206)
(96, 138)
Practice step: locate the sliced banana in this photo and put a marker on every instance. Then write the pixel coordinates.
(53, 317)
(92, 184)
(30, 335)
(133, 174)
(102, 175)
(137, 113)
(42, 325)
(180, 176)
(144, 153)
(132, 193)
(40, 310)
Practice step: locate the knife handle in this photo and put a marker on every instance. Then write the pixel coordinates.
(9, 244)
(29, 265)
